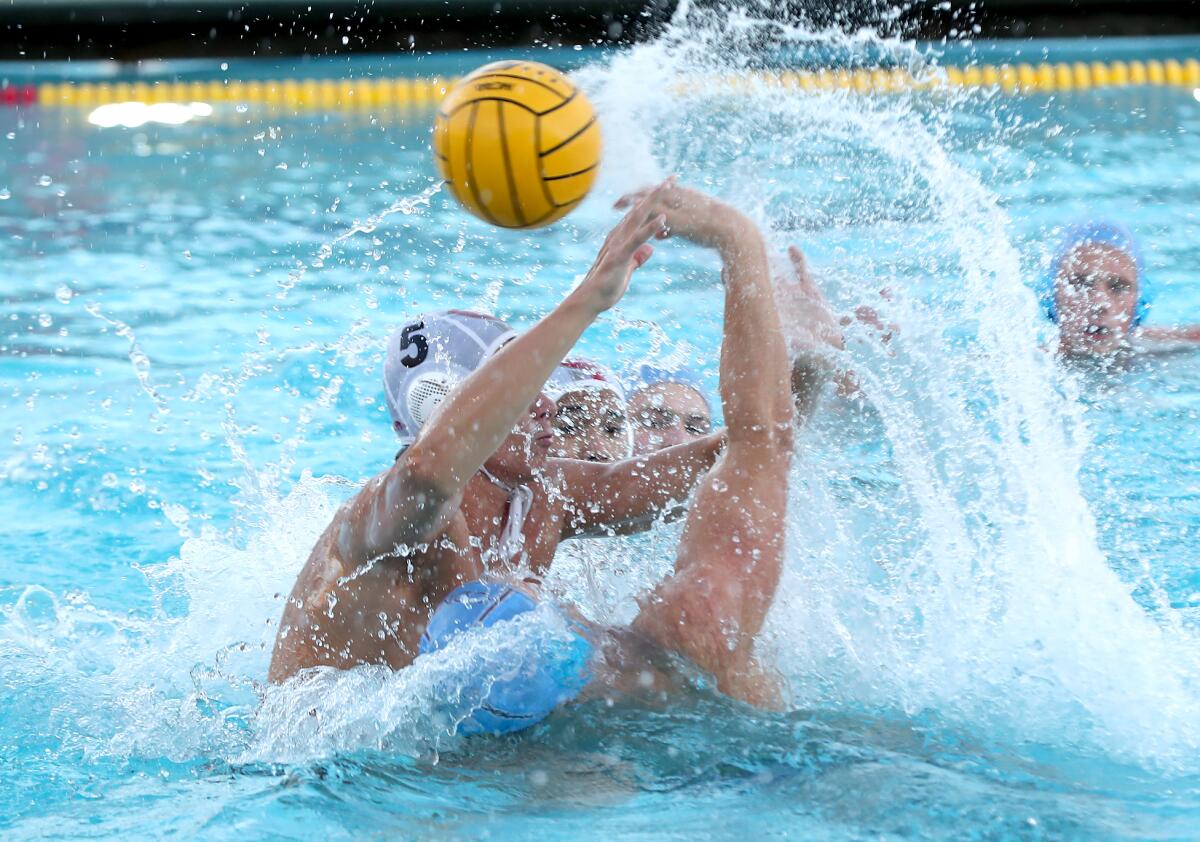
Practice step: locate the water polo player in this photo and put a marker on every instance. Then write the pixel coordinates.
(1096, 290)
(447, 538)
(592, 421)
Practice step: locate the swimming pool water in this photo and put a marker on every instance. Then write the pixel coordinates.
(989, 620)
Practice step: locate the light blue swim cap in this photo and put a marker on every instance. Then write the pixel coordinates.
(528, 681)
(1102, 232)
(646, 375)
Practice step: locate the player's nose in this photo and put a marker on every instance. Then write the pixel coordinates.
(543, 408)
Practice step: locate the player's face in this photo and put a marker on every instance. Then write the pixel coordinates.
(667, 414)
(1096, 294)
(526, 448)
(591, 425)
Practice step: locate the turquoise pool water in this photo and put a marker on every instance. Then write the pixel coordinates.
(989, 620)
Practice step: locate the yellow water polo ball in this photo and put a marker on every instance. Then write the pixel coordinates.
(517, 143)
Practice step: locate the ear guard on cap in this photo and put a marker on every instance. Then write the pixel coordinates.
(426, 393)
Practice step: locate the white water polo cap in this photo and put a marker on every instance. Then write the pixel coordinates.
(431, 355)
(579, 375)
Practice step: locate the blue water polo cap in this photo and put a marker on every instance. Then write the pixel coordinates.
(1100, 232)
(646, 375)
(516, 687)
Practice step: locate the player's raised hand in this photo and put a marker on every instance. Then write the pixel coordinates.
(808, 323)
(624, 250)
(692, 215)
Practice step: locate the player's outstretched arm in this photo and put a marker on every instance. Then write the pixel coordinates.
(1182, 335)
(413, 501)
(636, 490)
(758, 410)
(812, 334)
(628, 496)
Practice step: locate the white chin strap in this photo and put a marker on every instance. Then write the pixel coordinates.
(512, 539)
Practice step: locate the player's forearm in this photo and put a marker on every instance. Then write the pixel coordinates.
(627, 496)
(669, 475)
(474, 420)
(754, 380)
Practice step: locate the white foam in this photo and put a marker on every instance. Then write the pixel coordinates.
(965, 580)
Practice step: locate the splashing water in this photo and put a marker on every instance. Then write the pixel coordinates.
(965, 577)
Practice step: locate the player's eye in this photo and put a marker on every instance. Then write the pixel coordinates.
(566, 425)
(657, 420)
(699, 426)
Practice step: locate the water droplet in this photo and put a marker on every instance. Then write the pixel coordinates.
(187, 255)
(137, 486)
(44, 320)
(281, 166)
(64, 294)
(109, 480)
(5, 194)
(45, 181)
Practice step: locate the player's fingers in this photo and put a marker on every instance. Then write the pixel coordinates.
(654, 200)
(803, 276)
(643, 194)
(642, 254)
(799, 263)
(624, 231)
(869, 316)
(653, 227)
(630, 199)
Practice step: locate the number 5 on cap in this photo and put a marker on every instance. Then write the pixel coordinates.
(409, 338)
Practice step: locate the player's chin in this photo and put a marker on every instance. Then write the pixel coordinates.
(536, 448)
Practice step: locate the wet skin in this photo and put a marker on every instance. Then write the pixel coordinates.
(341, 615)
(1096, 296)
(667, 414)
(590, 425)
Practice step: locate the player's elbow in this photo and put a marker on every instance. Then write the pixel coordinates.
(774, 433)
(426, 477)
(783, 432)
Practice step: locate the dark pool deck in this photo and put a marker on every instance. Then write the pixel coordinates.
(134, 29)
